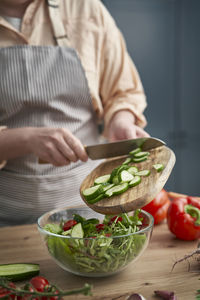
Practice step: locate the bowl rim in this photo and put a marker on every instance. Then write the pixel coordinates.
(50, 213)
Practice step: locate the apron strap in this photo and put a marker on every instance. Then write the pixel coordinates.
(58, 27)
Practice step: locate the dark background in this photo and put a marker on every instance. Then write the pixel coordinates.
(163, 39)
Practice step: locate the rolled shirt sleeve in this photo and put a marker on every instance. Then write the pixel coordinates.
(121, 87)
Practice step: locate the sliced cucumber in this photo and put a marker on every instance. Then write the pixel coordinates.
(117, 189)
(77, 231)
(143, 173)
(98, 198)
(132, 170)
(141, 154)
(19, 271)
(136, 180)
(127, 161)
(125, 176)
(115, 180)
(139, 159)
(93, 192)
(102, 179)
(108, 186)
(158, 167)
(135, 151)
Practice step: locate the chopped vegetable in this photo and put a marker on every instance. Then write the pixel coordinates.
(141, 154)
(140, 159)
(158, 167)
(117, 189)
(125, 176)
(135, 151)
(102, 179)
(136, 180)
(143, 173)
(93, 192)
(183, 218)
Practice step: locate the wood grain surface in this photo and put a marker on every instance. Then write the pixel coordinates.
(139, 195)
(151, 272)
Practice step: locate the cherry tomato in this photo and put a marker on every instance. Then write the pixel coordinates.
(100, 227)
(4, 292)
(39, 283)
(119, 219)
(69, 224)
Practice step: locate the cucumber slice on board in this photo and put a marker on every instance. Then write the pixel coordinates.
(19, 271)
(136, 180)
(127, 161)
(133, 152)
(158, 167)
(93, 192)
(125, 176)
(107, 187)
(77, 231)
(102, 179)
(117, 189)
(132, 170)
(141, 154)
(143, 173)
(139, 159)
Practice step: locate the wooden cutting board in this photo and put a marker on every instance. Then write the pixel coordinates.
(140, 195)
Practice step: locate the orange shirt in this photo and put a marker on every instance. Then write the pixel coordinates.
(113, 80)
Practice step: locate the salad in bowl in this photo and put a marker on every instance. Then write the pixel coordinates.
(86, 243)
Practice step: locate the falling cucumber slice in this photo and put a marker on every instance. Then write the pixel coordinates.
(117, 189)
(102, 179)
(125, 176)
(93, 192)
(139, 159)
(143, 173)
(141, 154)
(19, 271)
(77, 231)
(132, 170)
(135, 151)
(158, 167)
(136, 180)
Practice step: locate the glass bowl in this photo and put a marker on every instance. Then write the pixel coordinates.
(93, 257)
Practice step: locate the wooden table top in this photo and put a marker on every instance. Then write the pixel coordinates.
(152, 271)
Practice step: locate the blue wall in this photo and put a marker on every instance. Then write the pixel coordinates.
(164, 41)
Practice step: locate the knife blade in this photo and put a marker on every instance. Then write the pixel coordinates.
(113, 149)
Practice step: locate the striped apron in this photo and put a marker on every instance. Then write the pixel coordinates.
(43, 86)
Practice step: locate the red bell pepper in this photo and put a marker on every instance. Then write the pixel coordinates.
(183, 218)
(158, 206)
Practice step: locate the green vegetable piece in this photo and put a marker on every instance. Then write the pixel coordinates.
(132, 170)
(77, 231)
(136, 180)
(140, 159)
(98, 198)
(115, 180)
(143, 173)
(125, 176)
(158, 167)
(117, 189)
(19, 271)
(93, 192)
(127, 161)
(135, 151)
(53, 228)
(102, 179)
(108, 186)
(141, 154)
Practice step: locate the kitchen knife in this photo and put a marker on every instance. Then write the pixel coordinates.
(113, 149)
